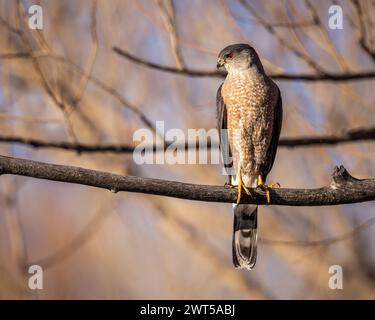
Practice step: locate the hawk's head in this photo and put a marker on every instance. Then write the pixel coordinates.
(239, 56)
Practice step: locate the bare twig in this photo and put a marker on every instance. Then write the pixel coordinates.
(343, 188)
(322, 242)
(14, 55)
(326, 76)
(168, 13)
(39, 70)
(362, 29)
(110, 90)
(96, 81)
(272, 30)
(93, 53)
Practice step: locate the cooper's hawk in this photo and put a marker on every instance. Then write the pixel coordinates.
(249, 106)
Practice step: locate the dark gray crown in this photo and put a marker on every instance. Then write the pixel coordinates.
(235, 48)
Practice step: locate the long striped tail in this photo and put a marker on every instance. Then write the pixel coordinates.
(244, 243)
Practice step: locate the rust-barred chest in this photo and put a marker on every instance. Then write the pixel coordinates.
(249, 98)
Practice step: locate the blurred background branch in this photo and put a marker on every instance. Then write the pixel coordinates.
(352, 135)
(320, 76)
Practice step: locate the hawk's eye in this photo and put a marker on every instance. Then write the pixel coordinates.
(229, 55)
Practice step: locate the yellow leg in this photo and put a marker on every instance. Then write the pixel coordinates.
(241, 187)
(266, 188)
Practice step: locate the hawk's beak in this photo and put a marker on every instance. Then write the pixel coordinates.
(220, 63)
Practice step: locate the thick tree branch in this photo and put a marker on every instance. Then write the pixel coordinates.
(352, 135)
(343, 188)
(324, 76)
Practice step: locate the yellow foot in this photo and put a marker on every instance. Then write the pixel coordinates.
(266, 188)
(227, 184)
(241, 187)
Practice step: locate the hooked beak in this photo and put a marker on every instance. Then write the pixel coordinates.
(220, 63)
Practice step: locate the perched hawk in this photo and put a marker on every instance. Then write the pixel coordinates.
(249, 107)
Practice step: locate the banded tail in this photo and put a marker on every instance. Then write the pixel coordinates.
(244, 243)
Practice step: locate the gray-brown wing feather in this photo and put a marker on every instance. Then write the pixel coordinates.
(221, 111)
(222, 127)
(271, 151)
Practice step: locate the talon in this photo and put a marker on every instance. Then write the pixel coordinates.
(239, 193)
(246, 189)
(241, 187)
(275, 185)
(229, 185)
(262, 186)
(268, 196)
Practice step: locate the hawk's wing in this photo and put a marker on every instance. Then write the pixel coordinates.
(271, 152)
(221, 116)
(221, 111)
